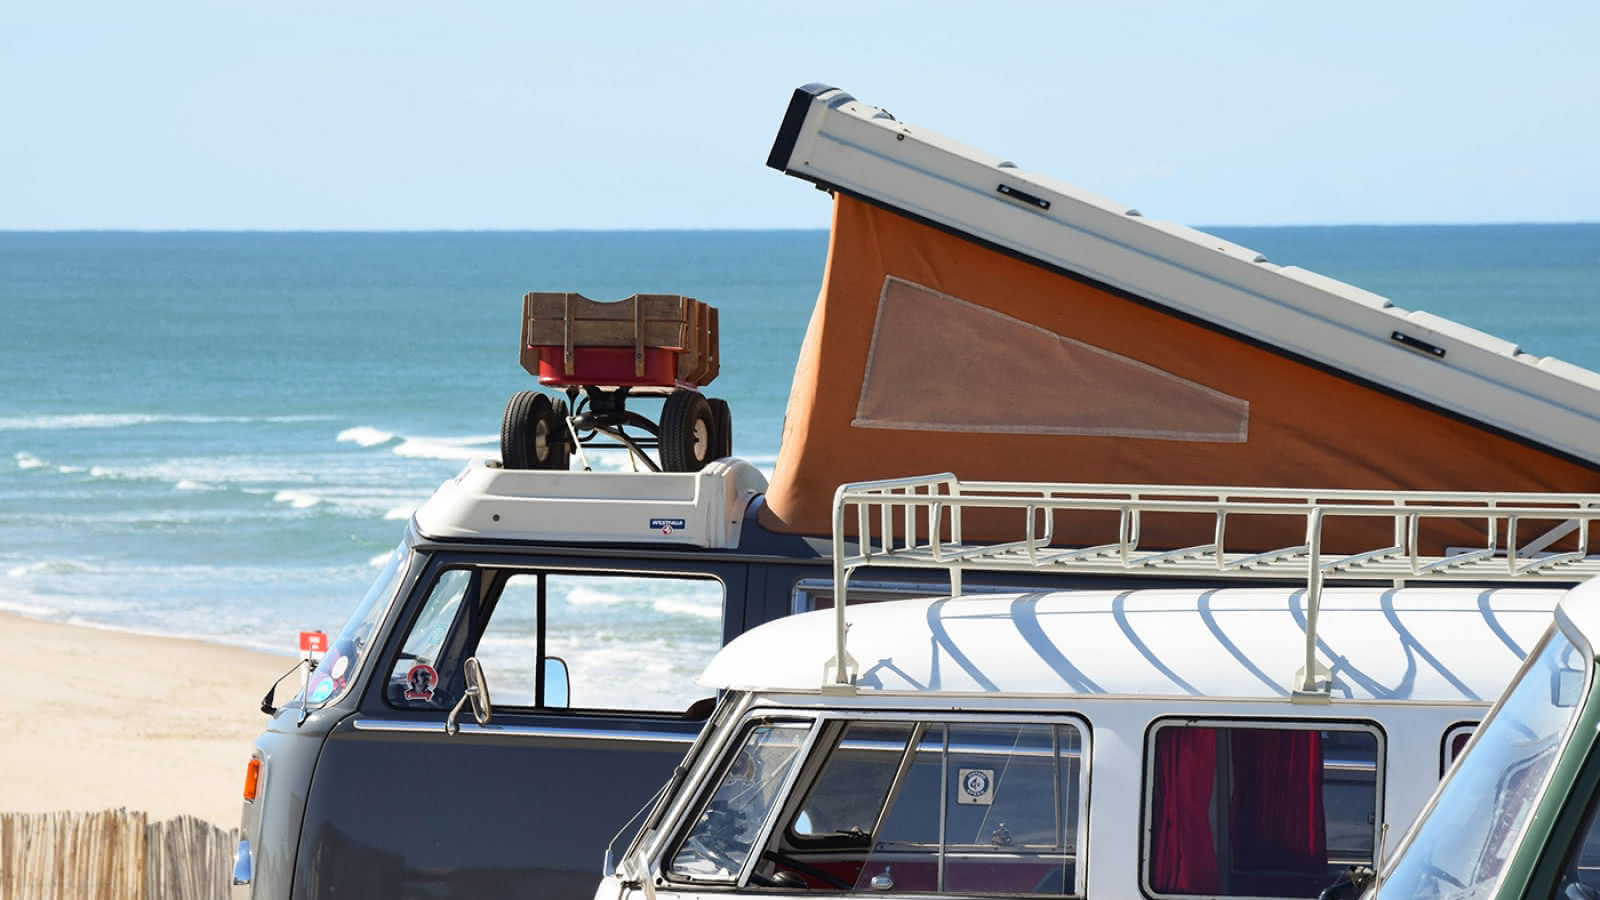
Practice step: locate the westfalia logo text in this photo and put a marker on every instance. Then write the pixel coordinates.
(667, 526)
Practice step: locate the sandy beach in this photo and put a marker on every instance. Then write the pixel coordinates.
(96, 719)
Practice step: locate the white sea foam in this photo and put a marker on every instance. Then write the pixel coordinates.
(49, 567)
(71, 470)
(364, 436)
(31, 610)
(188, 485)
(684, 606)
(73, 421)
(400, 513)
(462, 448)
(29, 461)
(587, 596)
(297, 499)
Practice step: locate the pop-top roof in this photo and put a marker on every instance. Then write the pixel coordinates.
(978, 319)
(830, 138)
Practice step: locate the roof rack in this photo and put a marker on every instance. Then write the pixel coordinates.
(916, 522)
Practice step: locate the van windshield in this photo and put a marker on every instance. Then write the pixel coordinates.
(338, 669)
(1463, 842)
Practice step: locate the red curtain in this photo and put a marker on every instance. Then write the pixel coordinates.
(1275, 814)
(1183, 857)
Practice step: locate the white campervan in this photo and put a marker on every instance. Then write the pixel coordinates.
(1239, 725)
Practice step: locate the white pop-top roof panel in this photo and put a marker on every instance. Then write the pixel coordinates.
(1443, 644)
(696, 509)
(833, 139)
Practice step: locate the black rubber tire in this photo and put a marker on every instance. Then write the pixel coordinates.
(533, 434)
(688, 436)
(721, 428)
(558, 453)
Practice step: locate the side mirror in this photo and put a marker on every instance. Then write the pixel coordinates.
(477, 691)
(1352, 884)
(556, 690)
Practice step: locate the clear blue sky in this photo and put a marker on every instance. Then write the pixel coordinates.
(284, 114)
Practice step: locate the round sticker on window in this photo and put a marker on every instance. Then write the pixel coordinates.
(322, 690)
(421, 681)
(977, 786)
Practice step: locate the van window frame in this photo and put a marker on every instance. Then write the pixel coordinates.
(810, 767)
(1148, 774)
(1455, 730)
(808, 592)
(729, 577)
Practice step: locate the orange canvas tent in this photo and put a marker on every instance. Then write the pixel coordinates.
(1028, 332)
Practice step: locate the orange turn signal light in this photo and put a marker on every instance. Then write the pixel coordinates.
(252, 779)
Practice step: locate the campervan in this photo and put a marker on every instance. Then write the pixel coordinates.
(975, 318)
(1516, 818)
(1149, 739)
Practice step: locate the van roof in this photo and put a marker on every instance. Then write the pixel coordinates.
(1424, 644)
(1581, 609)
(832, 139)
(696, 509)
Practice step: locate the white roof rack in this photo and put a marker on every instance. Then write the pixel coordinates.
(917, 523)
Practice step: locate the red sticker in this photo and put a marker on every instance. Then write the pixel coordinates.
(421, 681)
(314, 641)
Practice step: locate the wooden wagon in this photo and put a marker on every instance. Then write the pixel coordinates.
(599, 353)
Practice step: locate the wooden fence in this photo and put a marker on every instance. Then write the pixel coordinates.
(113, 855)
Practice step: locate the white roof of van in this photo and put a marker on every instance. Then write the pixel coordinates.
(1439, 644)
(696, 509)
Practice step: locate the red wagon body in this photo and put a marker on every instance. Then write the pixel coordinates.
(661, 341)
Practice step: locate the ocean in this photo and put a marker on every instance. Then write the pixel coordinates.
(222, 435)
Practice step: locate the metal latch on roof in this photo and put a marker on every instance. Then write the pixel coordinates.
(840, 680)
(1316, 689)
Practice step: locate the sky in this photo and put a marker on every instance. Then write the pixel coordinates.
(402, 115)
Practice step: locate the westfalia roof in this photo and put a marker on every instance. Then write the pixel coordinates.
(1416, 643)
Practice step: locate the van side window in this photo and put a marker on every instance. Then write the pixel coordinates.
(817, 593)
(1247, 809)
(1455, 741)
(905, 807)
(717, 848)
(414, 681)
(560, 640)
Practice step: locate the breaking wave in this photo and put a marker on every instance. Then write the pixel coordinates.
(70, 421)
(364, 436)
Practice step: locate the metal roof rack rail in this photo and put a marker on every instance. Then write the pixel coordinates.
(916, 522)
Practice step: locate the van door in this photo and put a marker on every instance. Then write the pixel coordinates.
(590, 676)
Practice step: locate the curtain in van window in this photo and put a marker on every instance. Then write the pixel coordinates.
(1184, 860)
(1275, 814)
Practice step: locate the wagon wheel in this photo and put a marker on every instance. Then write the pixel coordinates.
(533, 434)
(721, 428)
(688, 434)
